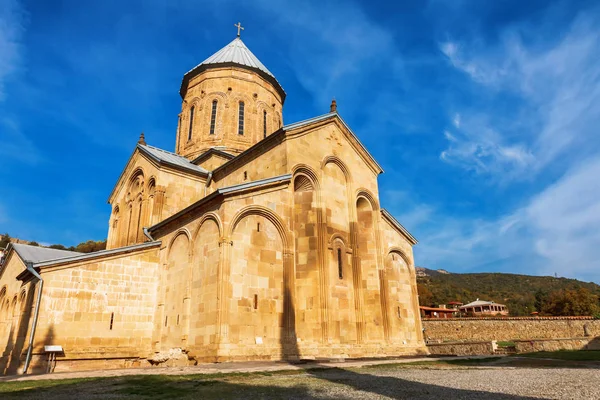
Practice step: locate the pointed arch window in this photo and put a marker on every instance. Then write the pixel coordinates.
(264, 124)
(213, 117)
(241, 119)
(191, 122)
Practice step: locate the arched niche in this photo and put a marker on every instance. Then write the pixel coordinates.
(366, 248)
(400, 296)
(175, 283)
(204, 285)
(257, 302)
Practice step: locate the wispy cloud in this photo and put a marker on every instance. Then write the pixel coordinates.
(554, 232)
(474, 145)
(558, 87)
(11, 30)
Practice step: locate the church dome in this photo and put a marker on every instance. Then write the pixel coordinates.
(235, 53)
(230, 101)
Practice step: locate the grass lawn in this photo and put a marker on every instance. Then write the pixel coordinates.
(568, 355)
(284, 384)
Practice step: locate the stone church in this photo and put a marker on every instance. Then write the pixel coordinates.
(254, 240)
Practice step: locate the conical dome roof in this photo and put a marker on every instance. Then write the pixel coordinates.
(235, 53)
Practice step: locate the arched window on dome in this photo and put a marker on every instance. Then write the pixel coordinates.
(213, 118)
(191, 123)
(264, 124)
(241, 119)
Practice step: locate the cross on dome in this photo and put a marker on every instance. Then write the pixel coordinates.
(240, 28)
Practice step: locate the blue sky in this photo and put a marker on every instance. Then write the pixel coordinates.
(483, 114)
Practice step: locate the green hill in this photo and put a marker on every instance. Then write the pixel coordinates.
(522, 294)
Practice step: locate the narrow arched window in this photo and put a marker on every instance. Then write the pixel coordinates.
(241, 119)
(213, 117)
(264, 124)
(340, 264)
(191, 123)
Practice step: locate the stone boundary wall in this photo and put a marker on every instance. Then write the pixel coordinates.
(530, 346)
(461, 349)
(509, 328)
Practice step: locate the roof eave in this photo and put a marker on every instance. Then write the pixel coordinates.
(203, 67)
(162, 162)
(228, 190)
(399, 226)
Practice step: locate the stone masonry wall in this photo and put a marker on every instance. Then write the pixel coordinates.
(510, 328)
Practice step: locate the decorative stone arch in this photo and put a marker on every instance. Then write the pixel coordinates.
(336, 237)
(400, 252)
(185, 232)
(337, 161)
(151, 186)
(271, 216)
(209, 216)
(219, 96)
(22, 300)
(13, 305)
(194, 102)
(367, 195)
(311, 174)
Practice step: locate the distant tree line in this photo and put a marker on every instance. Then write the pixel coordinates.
(522, 294)
(84, 247)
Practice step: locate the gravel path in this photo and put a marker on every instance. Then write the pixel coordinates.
(382, 382)
(472, 383)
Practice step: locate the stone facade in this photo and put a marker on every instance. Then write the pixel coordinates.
(259, 246)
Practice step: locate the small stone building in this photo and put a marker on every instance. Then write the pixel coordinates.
(254, 240)
(483, 308)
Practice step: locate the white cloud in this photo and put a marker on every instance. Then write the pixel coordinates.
(556, 231)
(558, 84)
(478, 148)
(11, 30)
(456, 121)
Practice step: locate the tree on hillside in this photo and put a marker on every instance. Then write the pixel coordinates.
(34, 244)
(4, 241)
(572, 302)
(425, 295)
(57, 247)
(89, 247)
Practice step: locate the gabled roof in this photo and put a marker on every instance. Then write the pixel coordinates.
(161, 157)
(283, 131)
(333, 115)
(212, 150)
(223, 191)
(166, 157)
(73, 256)
(36, 254)
(235, 53)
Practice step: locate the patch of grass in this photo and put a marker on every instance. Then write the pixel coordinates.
(433, 363)
(17, 386)
(506, 344)
(568, 355)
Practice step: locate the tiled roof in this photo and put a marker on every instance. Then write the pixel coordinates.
(236, 53)
(35, 254)
(163, 156)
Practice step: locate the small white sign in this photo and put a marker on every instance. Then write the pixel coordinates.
(258, 340)
(53, 349)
